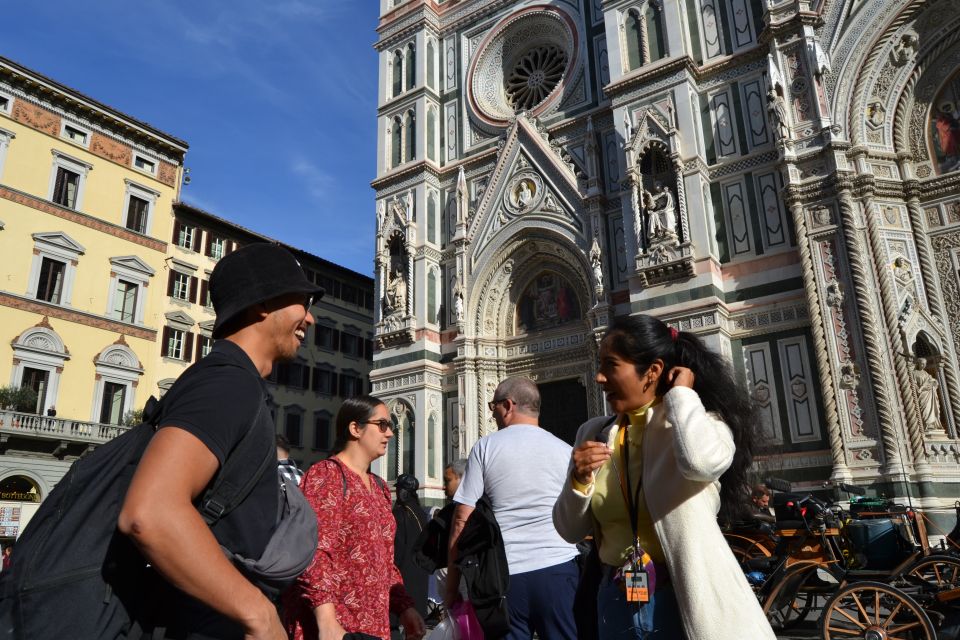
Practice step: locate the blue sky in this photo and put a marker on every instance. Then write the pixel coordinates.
(277, 99)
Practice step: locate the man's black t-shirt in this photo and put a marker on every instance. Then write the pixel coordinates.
(217, 405)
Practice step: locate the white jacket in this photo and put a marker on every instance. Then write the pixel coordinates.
(685, 451)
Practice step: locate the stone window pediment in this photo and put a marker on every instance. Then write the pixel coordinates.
(119, 356)
(42, 340)
(59, 243)
(134, 264)
(207, 325)
(185, 267)
(179, 319)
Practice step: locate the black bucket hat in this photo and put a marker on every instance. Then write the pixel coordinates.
(254, 274)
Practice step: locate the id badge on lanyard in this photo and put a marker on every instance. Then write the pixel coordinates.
(636, 573)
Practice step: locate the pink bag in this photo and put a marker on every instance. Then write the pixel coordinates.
(463, 614)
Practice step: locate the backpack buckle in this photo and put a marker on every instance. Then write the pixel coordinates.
(213, 509)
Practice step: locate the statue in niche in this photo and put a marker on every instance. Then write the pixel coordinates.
(927, 396)
(396, 299)
(381, 215)
(849, 375)
(596, 263)
(458, 303)
(661, 212)
(777, 110)
(523, 194)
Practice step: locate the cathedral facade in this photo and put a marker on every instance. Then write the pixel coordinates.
(781, 177)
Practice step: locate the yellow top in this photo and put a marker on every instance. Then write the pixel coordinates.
(608, 504)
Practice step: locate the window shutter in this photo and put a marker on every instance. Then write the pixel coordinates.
(187, 346)
(334, 388)
(206, 250)
(165, 342)
(304, 377)
(231, 247)
(368, 349)
(170, 277)
(193, 288)
(315, 381)
(176, 231)
(336, 340)
(199, 352)
(203, 293)
(197, 233)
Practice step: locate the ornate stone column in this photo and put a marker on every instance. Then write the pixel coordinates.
(841, 472)
(873, 341)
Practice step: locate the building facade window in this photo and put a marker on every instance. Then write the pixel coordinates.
(138, 205)
(174, 343)
(324, 381)
(410, 136)
(431, 64)
(396, 142)
(144, 164)
(67, 180)
(6, 103)
(397, 73)
(75, 134)
(326, 337)
(39, 355)
(293, 426)
(411, 65)
(129, 277)
(125, 300)
(179, 285)
(53, 271)
(432, 134)
(204, 345)
(50, 284)
(351, 345)
(5, 138)
(322, 435)
(217, 246)
(112, 403)
(186, 236)
(117, 372)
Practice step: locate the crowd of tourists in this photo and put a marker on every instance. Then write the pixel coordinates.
(199, 532)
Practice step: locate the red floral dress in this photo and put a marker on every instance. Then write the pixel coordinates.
(353, 567)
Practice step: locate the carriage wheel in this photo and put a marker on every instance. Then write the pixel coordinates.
(792, 602)
(938, 573)
(874, 611)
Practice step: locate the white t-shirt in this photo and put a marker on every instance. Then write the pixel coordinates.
(522, 469)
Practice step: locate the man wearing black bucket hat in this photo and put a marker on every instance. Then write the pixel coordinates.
(262, 299)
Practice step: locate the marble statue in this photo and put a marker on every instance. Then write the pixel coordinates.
(661, 211)
(458, 304)
(777, 110)
(596, 263)
(927, 388)
(396, 298)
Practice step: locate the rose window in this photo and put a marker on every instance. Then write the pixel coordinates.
(525, 63)
(535, 75)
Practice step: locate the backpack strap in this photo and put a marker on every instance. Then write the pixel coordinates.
(235, 482)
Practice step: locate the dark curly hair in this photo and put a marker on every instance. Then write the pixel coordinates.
(641, 339)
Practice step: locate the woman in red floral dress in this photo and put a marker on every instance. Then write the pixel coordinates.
(353, 584)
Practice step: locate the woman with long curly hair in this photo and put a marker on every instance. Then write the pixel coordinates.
(649, 483)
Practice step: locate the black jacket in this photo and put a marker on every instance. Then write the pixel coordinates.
(483, 560)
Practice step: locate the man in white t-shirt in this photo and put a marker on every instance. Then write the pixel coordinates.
(521, 468)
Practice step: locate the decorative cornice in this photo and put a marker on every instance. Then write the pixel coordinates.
(91, 222)
(48, 309)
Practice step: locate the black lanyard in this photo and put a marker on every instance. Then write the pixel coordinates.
(631, 499)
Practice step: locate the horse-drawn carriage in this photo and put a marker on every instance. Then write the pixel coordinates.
(870, 568)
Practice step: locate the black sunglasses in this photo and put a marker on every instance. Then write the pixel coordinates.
(383, 425)
(493, 403)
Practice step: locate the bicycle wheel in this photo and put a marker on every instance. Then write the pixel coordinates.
(936, 573)
(874, 611)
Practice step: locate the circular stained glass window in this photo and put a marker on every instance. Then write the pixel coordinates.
(535, 75)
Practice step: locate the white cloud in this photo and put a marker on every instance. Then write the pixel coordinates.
(317, 181)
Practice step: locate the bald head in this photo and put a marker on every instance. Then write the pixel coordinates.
(523, 392)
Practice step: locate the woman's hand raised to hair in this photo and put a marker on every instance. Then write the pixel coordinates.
(587, 458)
(680, 377)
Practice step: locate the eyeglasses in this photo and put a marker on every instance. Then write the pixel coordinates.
(493, 403)
(383, 425)
(308, 302)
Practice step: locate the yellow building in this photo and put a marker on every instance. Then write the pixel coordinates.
(86, 197)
